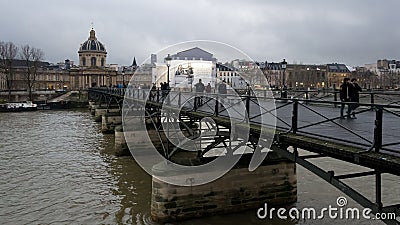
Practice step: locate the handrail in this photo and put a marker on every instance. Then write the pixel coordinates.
(251, 100)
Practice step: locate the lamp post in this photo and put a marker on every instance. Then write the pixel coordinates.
(168, 62)
(284, 89)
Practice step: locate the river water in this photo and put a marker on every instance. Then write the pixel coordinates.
(56, 167)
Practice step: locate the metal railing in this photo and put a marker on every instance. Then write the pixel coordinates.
(373, 131)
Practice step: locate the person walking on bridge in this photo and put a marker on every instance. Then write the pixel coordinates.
(345, 92)
(208, 88)
(354, 96)
(199, 87)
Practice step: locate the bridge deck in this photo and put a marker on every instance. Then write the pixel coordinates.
(353, 154)
(319, 127)
(371, 140)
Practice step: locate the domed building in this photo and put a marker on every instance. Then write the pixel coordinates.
(92, 52)
(93, 70)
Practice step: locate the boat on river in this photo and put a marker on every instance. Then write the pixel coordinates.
(18, 107)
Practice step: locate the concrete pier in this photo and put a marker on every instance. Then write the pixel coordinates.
(100, 112)
(93, 107)
(109, 121)
(274, 183)
(121, 147)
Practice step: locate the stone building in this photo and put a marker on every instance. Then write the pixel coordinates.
(306, 76)
(230, 75)
(336, 73)
(92, 70)
(296, 75)
(273, 74)
(48, 76)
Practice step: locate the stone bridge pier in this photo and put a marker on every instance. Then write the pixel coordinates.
(109, 116)
(274, 183)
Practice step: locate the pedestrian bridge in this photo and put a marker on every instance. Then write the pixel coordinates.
(307, 120)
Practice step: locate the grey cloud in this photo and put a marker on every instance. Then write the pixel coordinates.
(353, 32)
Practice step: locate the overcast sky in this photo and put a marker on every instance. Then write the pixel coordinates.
(310, 31)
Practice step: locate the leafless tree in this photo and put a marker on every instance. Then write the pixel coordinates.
(32, 57)
(8, 53)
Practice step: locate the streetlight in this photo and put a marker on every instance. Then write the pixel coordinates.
(283, 91)
(168, 62)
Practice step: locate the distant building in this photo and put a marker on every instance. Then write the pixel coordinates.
(306, 76)
(49, 76)
(142, 76)
(389, 73)
(93, 70)
(336, 73)
(230, 75)
(186, 68)
(273, 74)
(366, 76)
(296, 75)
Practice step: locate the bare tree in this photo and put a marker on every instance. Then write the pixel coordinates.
(8, 53)
(32, 57)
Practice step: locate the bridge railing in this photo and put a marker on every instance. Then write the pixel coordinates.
(370, 96)
(373, 130)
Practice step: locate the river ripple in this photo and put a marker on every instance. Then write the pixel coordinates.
(57, 168)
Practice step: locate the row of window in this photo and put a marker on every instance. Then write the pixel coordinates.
(227, 74)
(93, 61)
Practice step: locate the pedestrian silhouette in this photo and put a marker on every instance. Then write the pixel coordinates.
(345, 97)
(354, 96)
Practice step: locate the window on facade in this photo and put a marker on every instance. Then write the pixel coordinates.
(84, 61)
(93, 61)
(102, 61)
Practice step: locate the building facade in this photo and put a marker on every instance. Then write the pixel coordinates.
(93, 70)
(48, 76)
(231, 76)
(297, 76)
(388, 73)
(306, 76)
(336, 73)
(186, 68)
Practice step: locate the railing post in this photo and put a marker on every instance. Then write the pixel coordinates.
(158, 95)
(248, 105)
(372, 100)
(295, 116)
(216, 105)
(378, 129)
(179, 99)
(307, 97)
(168, 99)
(196, 102)
(335, 95)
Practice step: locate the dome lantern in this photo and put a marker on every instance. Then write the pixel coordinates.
(92, 52)
(92, 35)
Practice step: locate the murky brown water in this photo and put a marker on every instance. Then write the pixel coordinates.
(57, 168)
